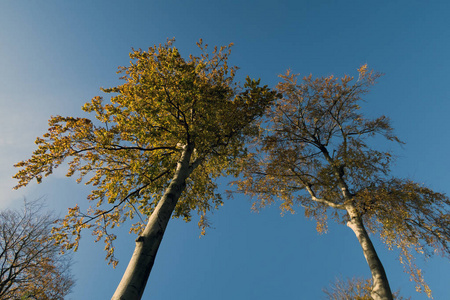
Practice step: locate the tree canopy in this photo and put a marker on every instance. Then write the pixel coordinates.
(30, 264)
(315, 151)
(166, 134)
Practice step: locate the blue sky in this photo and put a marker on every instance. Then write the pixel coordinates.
(54, 56)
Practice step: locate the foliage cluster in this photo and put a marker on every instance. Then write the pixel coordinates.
(166, 103)
(30, 264)
(315, 152)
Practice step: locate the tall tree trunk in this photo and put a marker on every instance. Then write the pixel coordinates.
(133, 282)
(380, 288)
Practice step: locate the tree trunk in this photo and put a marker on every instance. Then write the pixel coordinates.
(133, 282)
(380, 288)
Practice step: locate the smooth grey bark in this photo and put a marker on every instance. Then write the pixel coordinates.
(134, 280)
(380, 289)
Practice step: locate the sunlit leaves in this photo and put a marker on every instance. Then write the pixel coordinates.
(130, 152)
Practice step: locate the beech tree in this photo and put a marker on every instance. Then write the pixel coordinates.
(315, 152)
(157, 147)
(30, 264)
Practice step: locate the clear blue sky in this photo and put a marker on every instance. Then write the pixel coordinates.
(54, 56)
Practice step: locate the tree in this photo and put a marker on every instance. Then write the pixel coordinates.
(353, 289)
(315, 152)
(169, 131)
(30, 264)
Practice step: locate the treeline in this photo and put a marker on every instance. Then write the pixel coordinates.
(176, 124)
